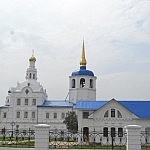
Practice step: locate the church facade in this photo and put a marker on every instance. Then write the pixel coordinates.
(27, 105)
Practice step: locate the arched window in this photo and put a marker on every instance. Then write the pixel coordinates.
(106, 114)
(73, 83)
(147, 132)
(30, 76)
(119, 114)
(113, 132)
(33, 76)
(120, 132)
(112, 113)
(91, 83)
(82, 82)
(105, 132)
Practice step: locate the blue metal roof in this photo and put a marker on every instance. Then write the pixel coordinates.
(92, 105)
(56, 104)
(82, 71)
(139, 108)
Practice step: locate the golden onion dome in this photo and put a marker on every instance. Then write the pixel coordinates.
(32, 58)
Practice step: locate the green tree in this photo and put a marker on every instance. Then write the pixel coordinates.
(71, 121)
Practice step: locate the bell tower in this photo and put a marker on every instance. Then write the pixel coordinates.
(82, 83)
(31, 73)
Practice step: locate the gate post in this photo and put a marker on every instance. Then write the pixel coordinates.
(42, 137)
(133, 137)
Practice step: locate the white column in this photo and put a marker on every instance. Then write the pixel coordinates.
(42, 137)
(133, 137)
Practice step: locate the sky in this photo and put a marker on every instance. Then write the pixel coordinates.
(117, 45)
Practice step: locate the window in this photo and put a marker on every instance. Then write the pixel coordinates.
(18, 114)
(73, 83)
(33, 114)
(85, 115)
(26, 101)
(105, 132)
(47, 115)
(4, 115)
(55, 115)
(34, 102)
(112, 112)
(26, 114)
(119, 114)
(113, 132)
(106, 114)
(91, 83)
(147, 130)
(27, 91)
(18, 101)
(63, 115)
(33, 76)
(120, 132)
(30, 76)
(82, 82)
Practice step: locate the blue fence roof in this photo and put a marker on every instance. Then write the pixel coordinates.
(139, 108)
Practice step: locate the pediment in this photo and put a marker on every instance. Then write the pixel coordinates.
(120, 111)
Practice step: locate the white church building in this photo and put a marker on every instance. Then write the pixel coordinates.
(27, 105)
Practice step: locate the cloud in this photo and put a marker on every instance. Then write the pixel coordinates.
(116, 37)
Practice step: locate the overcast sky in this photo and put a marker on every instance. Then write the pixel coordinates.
(117, 44)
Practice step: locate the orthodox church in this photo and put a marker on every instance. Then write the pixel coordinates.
(27, 104)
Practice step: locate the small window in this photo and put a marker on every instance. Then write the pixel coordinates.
(120, 132)
(147, 130)
(82, 82)
(47, 115)
(112, 113)
(4, 115)
(73, 83)
(105, 132)
(34, 102)
(26, 114)
(18, 101)
(33, 76)
(106, 114)
(63, 115)
(26, 101)
(30, 75)
(119, 114)
(18, 114)
(91, 83)
(55, 115)
(113, 132)
(27, 91)
(33, 114)
(85, 115)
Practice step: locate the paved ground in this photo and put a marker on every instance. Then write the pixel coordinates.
(6, 148)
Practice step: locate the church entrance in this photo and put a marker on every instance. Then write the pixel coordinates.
(86, 134)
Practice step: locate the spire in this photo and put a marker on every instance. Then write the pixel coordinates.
(83, 59)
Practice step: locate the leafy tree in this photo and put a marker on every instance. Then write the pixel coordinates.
(71, 121)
